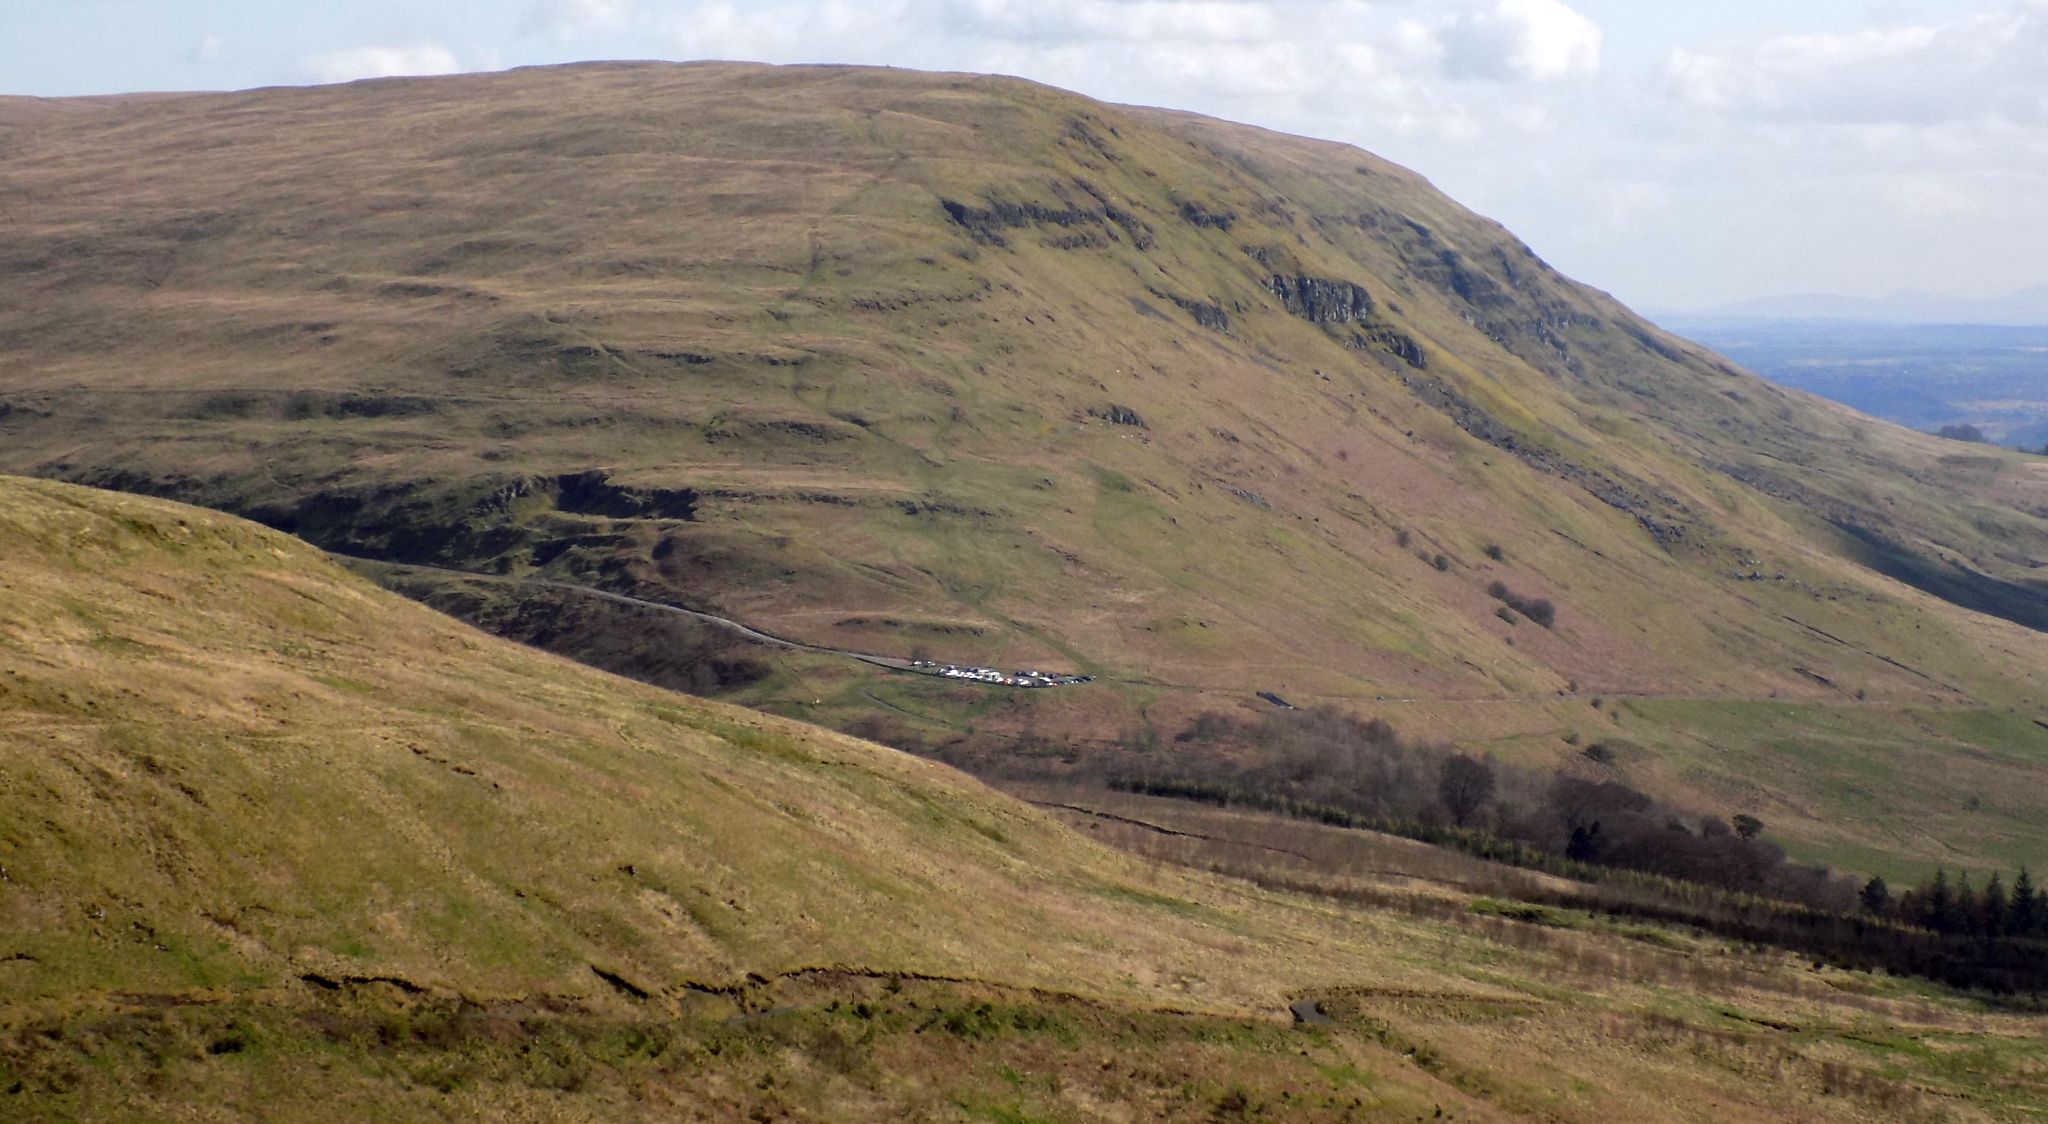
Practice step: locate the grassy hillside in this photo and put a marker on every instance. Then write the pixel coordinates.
(972, 368)
(275, 844)
(230, 765)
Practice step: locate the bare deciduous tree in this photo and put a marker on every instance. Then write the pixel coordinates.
(1464, 786)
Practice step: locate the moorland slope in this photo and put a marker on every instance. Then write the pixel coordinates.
(276, 844)
(978, 369)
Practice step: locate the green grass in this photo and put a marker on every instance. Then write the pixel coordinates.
(388, 867)
(888, 420)
(417, 361)
(981, 402)
(459, 808)
(1882, 789)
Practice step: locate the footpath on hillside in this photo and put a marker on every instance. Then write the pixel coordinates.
(994, 677)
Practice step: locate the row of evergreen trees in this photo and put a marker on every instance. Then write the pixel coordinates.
(1958, 909)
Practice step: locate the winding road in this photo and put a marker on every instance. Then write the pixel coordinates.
(893, 663)
(727, 623)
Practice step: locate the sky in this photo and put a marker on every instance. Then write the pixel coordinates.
(1678, 153)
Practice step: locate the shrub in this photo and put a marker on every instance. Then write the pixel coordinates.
(1538, 609)
(1494, 552)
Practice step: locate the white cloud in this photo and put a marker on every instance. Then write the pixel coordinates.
(1928, 194)
(570, 19)
(1983, 66)
(1069, 21)
(382, 62)
(209, 49)
(1527, 40)
(1620, 206)
(1533, 40)
(831, 31)
(1913, 152)
(1289, 62)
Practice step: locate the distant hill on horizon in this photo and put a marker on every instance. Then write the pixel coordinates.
(2022, 308)
(1993, 377)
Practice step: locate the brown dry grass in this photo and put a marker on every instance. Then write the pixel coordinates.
(740, 279)
(230, 765)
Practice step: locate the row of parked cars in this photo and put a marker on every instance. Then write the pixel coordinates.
(999, 677)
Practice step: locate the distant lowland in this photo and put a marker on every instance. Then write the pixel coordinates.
(1974, 369)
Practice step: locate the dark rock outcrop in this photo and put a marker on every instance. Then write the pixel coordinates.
(1194, 214)
(986, 224)
(1394, 342)
(1321, 300)
(1207, 314)
(1083, 205)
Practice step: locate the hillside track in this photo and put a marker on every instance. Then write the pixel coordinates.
(737, 627)
(893, 663)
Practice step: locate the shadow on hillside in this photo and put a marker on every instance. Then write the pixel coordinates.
(1954, 583)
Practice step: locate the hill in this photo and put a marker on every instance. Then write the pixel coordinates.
(2026, 307)
(276, 844)
(232, 765)
(969, 368)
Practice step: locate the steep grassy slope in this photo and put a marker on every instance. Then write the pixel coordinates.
(229, 764)
(981, 369)
(278, 845)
